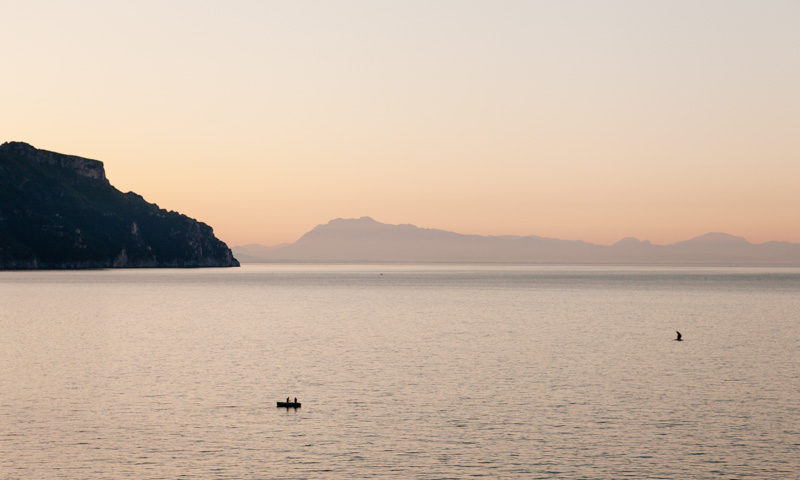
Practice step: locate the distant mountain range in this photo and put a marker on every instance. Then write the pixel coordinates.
(366, 240)
(59, 211)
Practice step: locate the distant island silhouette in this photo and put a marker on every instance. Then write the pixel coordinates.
(60, 212)
(366, 240)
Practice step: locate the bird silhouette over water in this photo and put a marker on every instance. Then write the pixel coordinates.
(679, 339)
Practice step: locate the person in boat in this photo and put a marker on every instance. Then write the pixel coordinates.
(679, 336)
(287, 399)
(295, 399)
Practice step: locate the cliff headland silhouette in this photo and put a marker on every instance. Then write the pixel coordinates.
(59, 211)
(366, 240)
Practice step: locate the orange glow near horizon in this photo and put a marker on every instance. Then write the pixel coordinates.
(592, 122)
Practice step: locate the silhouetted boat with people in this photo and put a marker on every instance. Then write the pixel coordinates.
(289, 404)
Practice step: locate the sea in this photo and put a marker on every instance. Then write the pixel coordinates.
(402, 371)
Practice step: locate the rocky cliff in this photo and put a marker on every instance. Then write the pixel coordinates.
(59, 211)
(81, 166)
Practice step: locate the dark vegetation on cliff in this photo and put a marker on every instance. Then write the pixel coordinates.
(59, 211)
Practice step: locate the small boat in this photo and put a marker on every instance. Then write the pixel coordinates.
(288, 404)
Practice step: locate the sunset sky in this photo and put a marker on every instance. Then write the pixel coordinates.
(591, 120)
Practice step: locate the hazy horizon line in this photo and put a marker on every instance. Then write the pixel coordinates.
(621, 239)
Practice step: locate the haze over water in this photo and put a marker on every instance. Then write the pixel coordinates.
(403, 372)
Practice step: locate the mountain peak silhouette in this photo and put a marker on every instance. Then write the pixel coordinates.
(631, 242)
(717, 237)
(367, 240)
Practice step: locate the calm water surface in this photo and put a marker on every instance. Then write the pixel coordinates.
(426, 372)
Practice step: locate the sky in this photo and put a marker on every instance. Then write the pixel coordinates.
(581, 120)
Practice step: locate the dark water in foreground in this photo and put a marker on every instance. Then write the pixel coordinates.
(404, 372)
